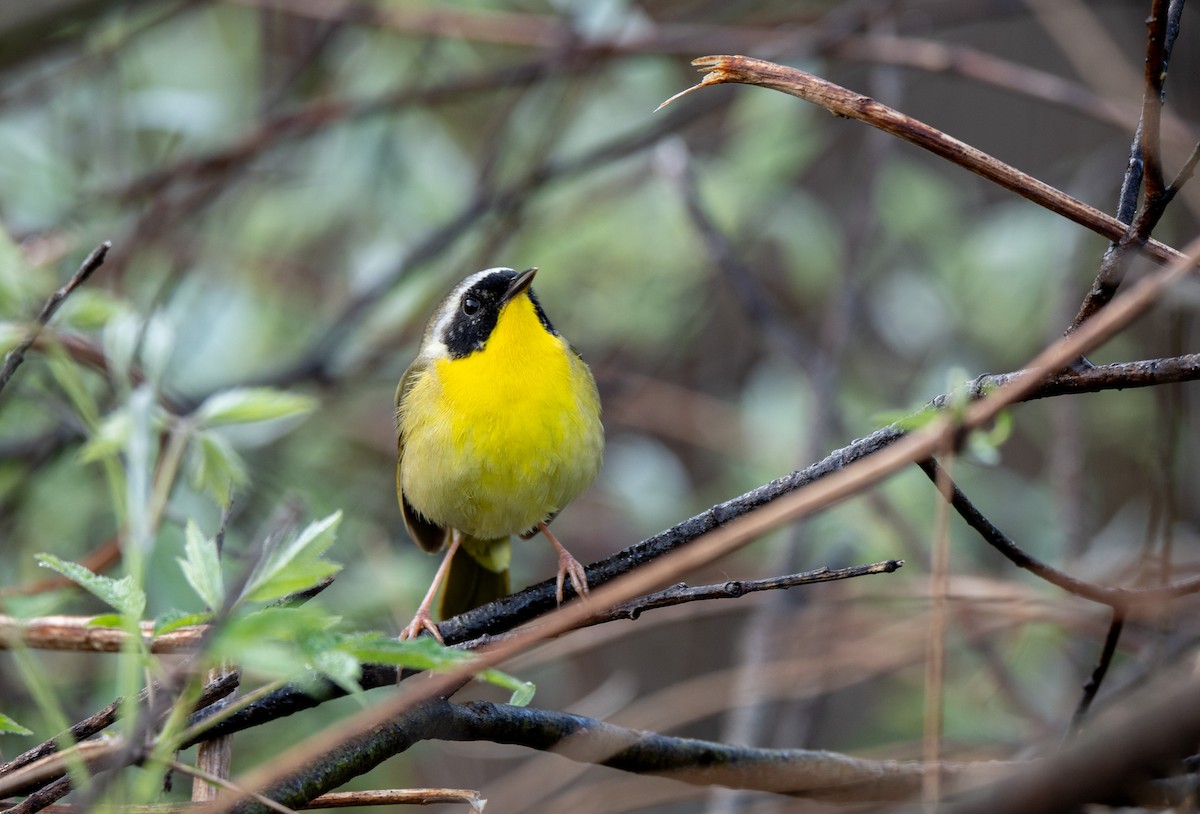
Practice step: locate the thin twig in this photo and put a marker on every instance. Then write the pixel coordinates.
(1121, 598)
(842, 102)
(17, 355)
(935, 646)
(733, 589)
(208, 777)
(1097, 678)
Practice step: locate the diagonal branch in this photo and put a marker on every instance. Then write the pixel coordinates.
(17, 355)
(843, 102)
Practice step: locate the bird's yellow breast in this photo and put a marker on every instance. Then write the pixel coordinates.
(498, 440)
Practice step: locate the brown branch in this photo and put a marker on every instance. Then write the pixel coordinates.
(1152, 100)
(80, 633)
(17, 355)
(846, 103)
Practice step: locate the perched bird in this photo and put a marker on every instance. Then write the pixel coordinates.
(498, 424)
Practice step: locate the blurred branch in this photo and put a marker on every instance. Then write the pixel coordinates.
(755, 302)
(317, 116)
(1113, 762)
(971, 63)
(17, 355)
(799, 772)
(92, 725)
(28, 30)
(314, 363)
(681, 38)
(532, 30)
(1101, 669)
(842, 102)
(1116, 598)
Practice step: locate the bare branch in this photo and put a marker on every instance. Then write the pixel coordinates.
(843, 102)
(17, 355)
(734, 589)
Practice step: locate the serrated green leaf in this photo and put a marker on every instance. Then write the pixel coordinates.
(10, 727)
(175, 619)
(201, 566)
(246, 404)
(109, 439)
(214, 465)
(295, 564)
(121, 594)
(296, 577)
(268, 641)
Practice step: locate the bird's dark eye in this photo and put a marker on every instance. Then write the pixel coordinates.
(470, 306)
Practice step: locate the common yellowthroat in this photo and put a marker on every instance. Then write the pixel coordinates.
(498, 424)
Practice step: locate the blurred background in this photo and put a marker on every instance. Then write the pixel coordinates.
(290, 187)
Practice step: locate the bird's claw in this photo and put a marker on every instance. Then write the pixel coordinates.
(568, 566)
(421, 621)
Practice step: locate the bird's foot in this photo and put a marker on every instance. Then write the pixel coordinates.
(422, 620)
(568, 566)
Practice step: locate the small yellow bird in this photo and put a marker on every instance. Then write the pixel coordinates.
(498, 425)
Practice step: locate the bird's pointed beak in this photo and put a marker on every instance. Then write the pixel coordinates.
(519, 284)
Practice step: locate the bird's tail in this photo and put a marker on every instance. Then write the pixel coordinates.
(478, 574)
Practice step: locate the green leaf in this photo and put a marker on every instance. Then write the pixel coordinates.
(10, 727)
(105, 620)
(340, 666)
(269, 641)
(246, 404)
(296, 564)
(214, 465)
(175, 619)
(426, 653)
(984, 445)
(522, 691)
(201, 566)
(121, 594)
